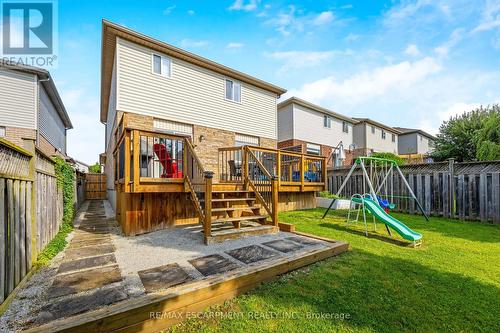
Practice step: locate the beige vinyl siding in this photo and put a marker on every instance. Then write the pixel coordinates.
(285, 123)
(308, 126)
(375, 142)
(110, 122)
(18, 99)
(192, 95)
(50, 124)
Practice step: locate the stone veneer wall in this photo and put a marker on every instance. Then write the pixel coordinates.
(17, 134)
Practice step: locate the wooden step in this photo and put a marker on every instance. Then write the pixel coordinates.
(232, 199)
(231, 191)
(226, 209)
(241, 218)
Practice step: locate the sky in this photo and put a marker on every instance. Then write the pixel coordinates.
(404, 63)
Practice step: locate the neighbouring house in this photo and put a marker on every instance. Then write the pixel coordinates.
(371, 137)
(189, 140)
(81, 166)
(31, 109)
(311, 129)
(415, 142)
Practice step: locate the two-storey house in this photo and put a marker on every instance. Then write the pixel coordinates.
(31, 110)
(415, 142)
(312, 129)
(371, 136)
(189, 140)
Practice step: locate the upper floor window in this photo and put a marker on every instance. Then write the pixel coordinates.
(327, 122)
(421, 137)
(373, 129)
(345, 127)
(313, 149)
(383, 134)
(161, 65)
(233, 91)
(394, 138)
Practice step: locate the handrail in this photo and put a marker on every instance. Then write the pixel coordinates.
(259, 163)
(195, 179)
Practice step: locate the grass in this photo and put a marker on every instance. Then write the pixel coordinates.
(451, 283)
(56, 245)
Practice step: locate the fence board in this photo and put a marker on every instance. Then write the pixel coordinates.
(29, 239)
(10, 235)
(3, 239)
(22, 229)
(17, 222)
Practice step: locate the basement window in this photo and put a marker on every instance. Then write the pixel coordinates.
(233, 91)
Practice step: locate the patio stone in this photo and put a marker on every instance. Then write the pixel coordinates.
(80, 303)
(86, 263)
(88, 242)
(89, 251)
(213, 264)
(251, 254)
(163, 277)
(73, 283)
(283, 245)
(303, 240)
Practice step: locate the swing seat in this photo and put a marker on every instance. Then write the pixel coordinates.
(385, 204)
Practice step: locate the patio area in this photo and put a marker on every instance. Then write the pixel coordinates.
(102, 275)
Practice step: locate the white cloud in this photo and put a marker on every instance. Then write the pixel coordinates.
(455, 37)
(234, 45)
(323, 18)
(243, 5)
(304, 59)
(490, 18)
(359, 88)
(168, 10)
(189, 43)
(285, 22)
(412, 50)
(351, 37)
(191, 12)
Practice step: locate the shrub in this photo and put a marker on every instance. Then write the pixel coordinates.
(390, 156)
(326, 194)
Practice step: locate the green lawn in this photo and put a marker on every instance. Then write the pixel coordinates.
(450, 283)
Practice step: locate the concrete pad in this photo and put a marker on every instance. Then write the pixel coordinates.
(80, 304)
(283, 245)
(82, 281)
(213, 264)
(86, 263)
(251, 254)
(163, 277)
(90, 251)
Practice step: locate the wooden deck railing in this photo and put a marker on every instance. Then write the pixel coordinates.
(290, 168)
(195, 179)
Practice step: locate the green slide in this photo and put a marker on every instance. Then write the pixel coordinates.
(390, 221)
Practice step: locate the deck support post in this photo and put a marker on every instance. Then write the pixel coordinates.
(275, 195)
(207, 225)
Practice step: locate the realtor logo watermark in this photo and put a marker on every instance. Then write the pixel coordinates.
(29, 32)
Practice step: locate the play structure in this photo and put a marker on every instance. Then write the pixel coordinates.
(378, 196)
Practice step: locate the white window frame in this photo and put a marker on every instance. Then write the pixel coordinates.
(328, 121)
(393, 138)
(241, 90)
(3, 132)
(162, 74)
(373, 129)
(383, 134)
(314, 147)
(345, 127)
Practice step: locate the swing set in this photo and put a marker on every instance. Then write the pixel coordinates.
(378, 195)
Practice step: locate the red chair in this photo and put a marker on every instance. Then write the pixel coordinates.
(169, 165)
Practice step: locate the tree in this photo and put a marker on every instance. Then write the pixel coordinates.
(488, 137)
(390, 156)
(458, 137)
(96, 168)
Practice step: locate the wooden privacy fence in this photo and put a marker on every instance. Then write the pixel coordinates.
(16, 218)
(95, 186)
(467, 191)
(31, 211)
